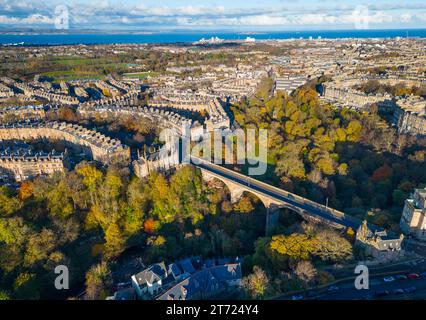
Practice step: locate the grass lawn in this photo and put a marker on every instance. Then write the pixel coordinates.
(69, 75)
(77, 61)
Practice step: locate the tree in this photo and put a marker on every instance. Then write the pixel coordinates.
(305, 271)
(114, 242)
(4, 295)
(110, 191)
(98, 281)
(296, 246)
(26, 286)
(330, 246)
(58, 202)
(92, 178)
(353, 131)
(244, 205)
(150, 226)
(382, 173)
(13, 230)
(39, 246)
(26, 190)
(226, 206)
(256, 284)
(97, 218)
(8, 203)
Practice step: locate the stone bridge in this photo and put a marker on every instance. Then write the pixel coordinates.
(272, 197)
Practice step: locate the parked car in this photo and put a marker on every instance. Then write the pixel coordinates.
(410, 290)
(388, 279)
(297, 297)
(413, 276)
(423, 274)
(381, 293)
(333, 288)
(397, 291)
(401, 277)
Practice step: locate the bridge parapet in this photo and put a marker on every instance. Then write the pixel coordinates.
(270, 195)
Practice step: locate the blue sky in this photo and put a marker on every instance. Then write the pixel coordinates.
(247, 15)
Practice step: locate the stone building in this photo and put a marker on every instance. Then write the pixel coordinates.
(217, 116)
(161, 117)
(378, 243)
(5, 91)
(23, 164)
(107, 89)
(162, 160)
(413, 222)
(355, 99)
(94, 144)
(23, 113)
(410, 115)
(235, 87)
(289, 83)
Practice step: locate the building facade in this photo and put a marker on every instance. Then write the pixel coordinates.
(22, 165)
(94, 144)
(378, 243)
(410, 115)
(413, 222)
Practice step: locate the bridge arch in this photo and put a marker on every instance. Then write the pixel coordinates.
(236, 191)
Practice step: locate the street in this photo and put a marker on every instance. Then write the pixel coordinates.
(347, 291)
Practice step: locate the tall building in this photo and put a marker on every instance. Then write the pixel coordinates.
(413, 220)
(410, 115)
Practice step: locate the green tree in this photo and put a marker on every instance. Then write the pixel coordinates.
(39, 246)
(8, 203)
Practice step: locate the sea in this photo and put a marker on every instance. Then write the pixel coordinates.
(184, 37)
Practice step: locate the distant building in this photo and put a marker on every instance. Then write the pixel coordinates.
(379, 244)
(290, 83)
(413, 220)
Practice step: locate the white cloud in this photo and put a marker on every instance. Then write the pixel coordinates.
(106, 13)
(30, 20)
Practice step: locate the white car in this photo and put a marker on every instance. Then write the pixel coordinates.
(297, 297)
(388, 279)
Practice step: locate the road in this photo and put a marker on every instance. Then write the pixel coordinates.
(306, 205)
(347, 291)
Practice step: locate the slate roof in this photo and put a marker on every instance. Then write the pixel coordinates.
(152, 274)
(187, 266)
(204, 283)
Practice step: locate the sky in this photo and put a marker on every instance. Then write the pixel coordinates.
(247, 15)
